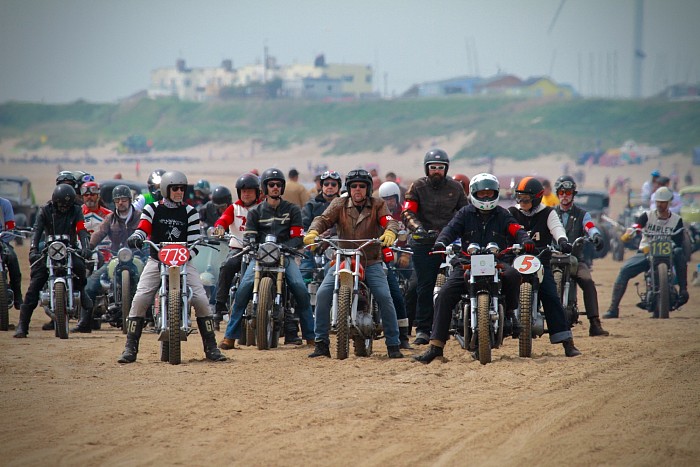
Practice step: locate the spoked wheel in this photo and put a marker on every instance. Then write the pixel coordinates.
(664, 300)
(525, 339)
(264, 325)
(126, 297)
(4, 304)
(248, 332)
(174, 318)
(59, 290)
(343, 331)
(501, 323)
(484, 331)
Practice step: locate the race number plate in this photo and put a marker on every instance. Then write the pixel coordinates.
(527, 264)
(173, 254)
(483, 265)
(661, 247)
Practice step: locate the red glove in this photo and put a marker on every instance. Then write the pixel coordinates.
(529, 246)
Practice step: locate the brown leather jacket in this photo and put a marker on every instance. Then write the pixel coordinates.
(432, 207)
(351, 224)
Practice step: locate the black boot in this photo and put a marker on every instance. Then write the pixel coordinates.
(206, 329)
(134, 326)
(596, 328)
(320, 350)
(291, 331)
(25, 315)
(514, 324)
(393, 351)
(403, 338)
(48, 326)
(429, 355)
(85, 322)
(570, 349)
(617, 293)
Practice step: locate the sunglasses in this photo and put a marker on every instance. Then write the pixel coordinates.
(330, 183)
(274, 184)
(357, 185)
(565, 192)
(177, 188)
(436, 167)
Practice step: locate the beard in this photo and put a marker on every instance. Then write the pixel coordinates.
(435, 179)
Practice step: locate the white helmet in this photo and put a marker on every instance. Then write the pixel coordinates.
(388, 189)
(663, 194)
(484, 181)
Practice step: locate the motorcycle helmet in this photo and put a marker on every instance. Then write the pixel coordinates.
(203, 186)
(359, 175)
(121, 191)
(565, 182)
(170, 179)
(389, 189)
(663, 194)
(153, 181)
(221, 196)
(272, 174)
(66, 177)
(532, 187)
(484, 181)
(63, 197)
(248, 180)
(462, 180)
(436, 156)
(89, 187)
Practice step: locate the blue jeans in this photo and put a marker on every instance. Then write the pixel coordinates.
(397, 297)
(245, 292)
(377, 282)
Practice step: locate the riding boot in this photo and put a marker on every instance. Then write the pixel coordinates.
(85, 322)
(570, 349)
(291, 331)
(134, 326)
(320, 350)
(617, 293)
(596, 329)
(434, 351)
(393, 351)
(403, 338)
(206, 329)
(25, 315)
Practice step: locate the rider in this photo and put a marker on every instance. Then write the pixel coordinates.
(482, 222)
(153, 194)
(234, 219)
(118, 226)
(358, 216)
(94, 210)
(202, 190)
(169, 220)
(221, 199)
(650, 187)
(663, 221)
(578, 222)
(431, 202)
(543, 225)
(9, 257)
(280, 218)
(60, 216)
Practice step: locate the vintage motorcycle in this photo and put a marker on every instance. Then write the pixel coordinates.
(564, 268)
(354, 313)
(248, 328)
(171, 314)
(529, 312)
(661, 292)
(450, 254)
(118, 287)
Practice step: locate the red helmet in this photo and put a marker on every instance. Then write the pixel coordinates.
(463, 180)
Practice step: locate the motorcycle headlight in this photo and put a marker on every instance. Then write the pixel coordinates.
(268, 254)
(492, 248)
(125, 255)
(57, 251)
(473, 248)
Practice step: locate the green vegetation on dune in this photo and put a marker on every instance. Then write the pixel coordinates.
(506, 127)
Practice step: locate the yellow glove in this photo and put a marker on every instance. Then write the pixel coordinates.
(310, 237)
(645, 249)
(627, 236)
(388, 238)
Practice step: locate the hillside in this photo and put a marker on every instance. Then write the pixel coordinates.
(511, 128)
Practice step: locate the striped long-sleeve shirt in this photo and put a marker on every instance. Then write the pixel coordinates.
(166, 222)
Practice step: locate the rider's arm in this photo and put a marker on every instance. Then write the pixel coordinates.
(329, 217)
(555, 227)
(409, 215)
(679, 237)
(8, 214)
(454, 228)
(39, 226)
(296, 230)
(589, 226)
(193, 231)
(101, 232)
(226, 218)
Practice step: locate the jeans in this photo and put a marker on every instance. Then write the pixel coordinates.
(553, 311)
(397, 298)
(639, 263)
(295, 283)
(377, 282)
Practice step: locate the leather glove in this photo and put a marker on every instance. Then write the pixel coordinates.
(388, 238)
(218, 231)
(439, 246)
(682, 297)
(529, 246)
(310, 237)
(135, 241)
(627, 236)
(33, 256)
(564, 245)
(419, 234)
(598, 242)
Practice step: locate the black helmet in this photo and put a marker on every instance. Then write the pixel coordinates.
(203, 186)
(170, 179)
(248, 180)
(66, 177)
(530, 186)
(272, 174)
(359, 175)
(436, 156)
(153, 181)
(565, 182)
(221, 196)
(121, 191)
(63, 197)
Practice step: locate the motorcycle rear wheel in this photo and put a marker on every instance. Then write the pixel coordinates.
(342, 335)
(664, 299)
(59, 291)
(525, 339)
(4, 305)
(484, 331)
(264, 325)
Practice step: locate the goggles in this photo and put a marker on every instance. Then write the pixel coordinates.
(89, 190)
(330, 174)
(523, 199)
(567, 185)
(565, 192)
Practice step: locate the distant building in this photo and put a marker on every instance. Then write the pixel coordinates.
(191, 84)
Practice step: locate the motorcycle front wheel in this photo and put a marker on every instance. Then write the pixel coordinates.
(264, 325)
(484, 331)
(343, 331)
(174, 320)
(59, 291)
(126, 297)
(4, 305)
(664, 299)
(525, 339)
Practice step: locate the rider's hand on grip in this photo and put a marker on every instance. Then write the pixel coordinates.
(34, 255)
(627, 236)
(388, 238)
(419, 234)
(310, 237)
(529, 246)
(598, 242)
(218, 231)
(439, 246)
(564, 245)
(135, 241)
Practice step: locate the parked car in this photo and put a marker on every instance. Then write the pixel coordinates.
(597, 204)
(18, 191)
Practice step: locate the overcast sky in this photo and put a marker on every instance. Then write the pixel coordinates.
(57, 51)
